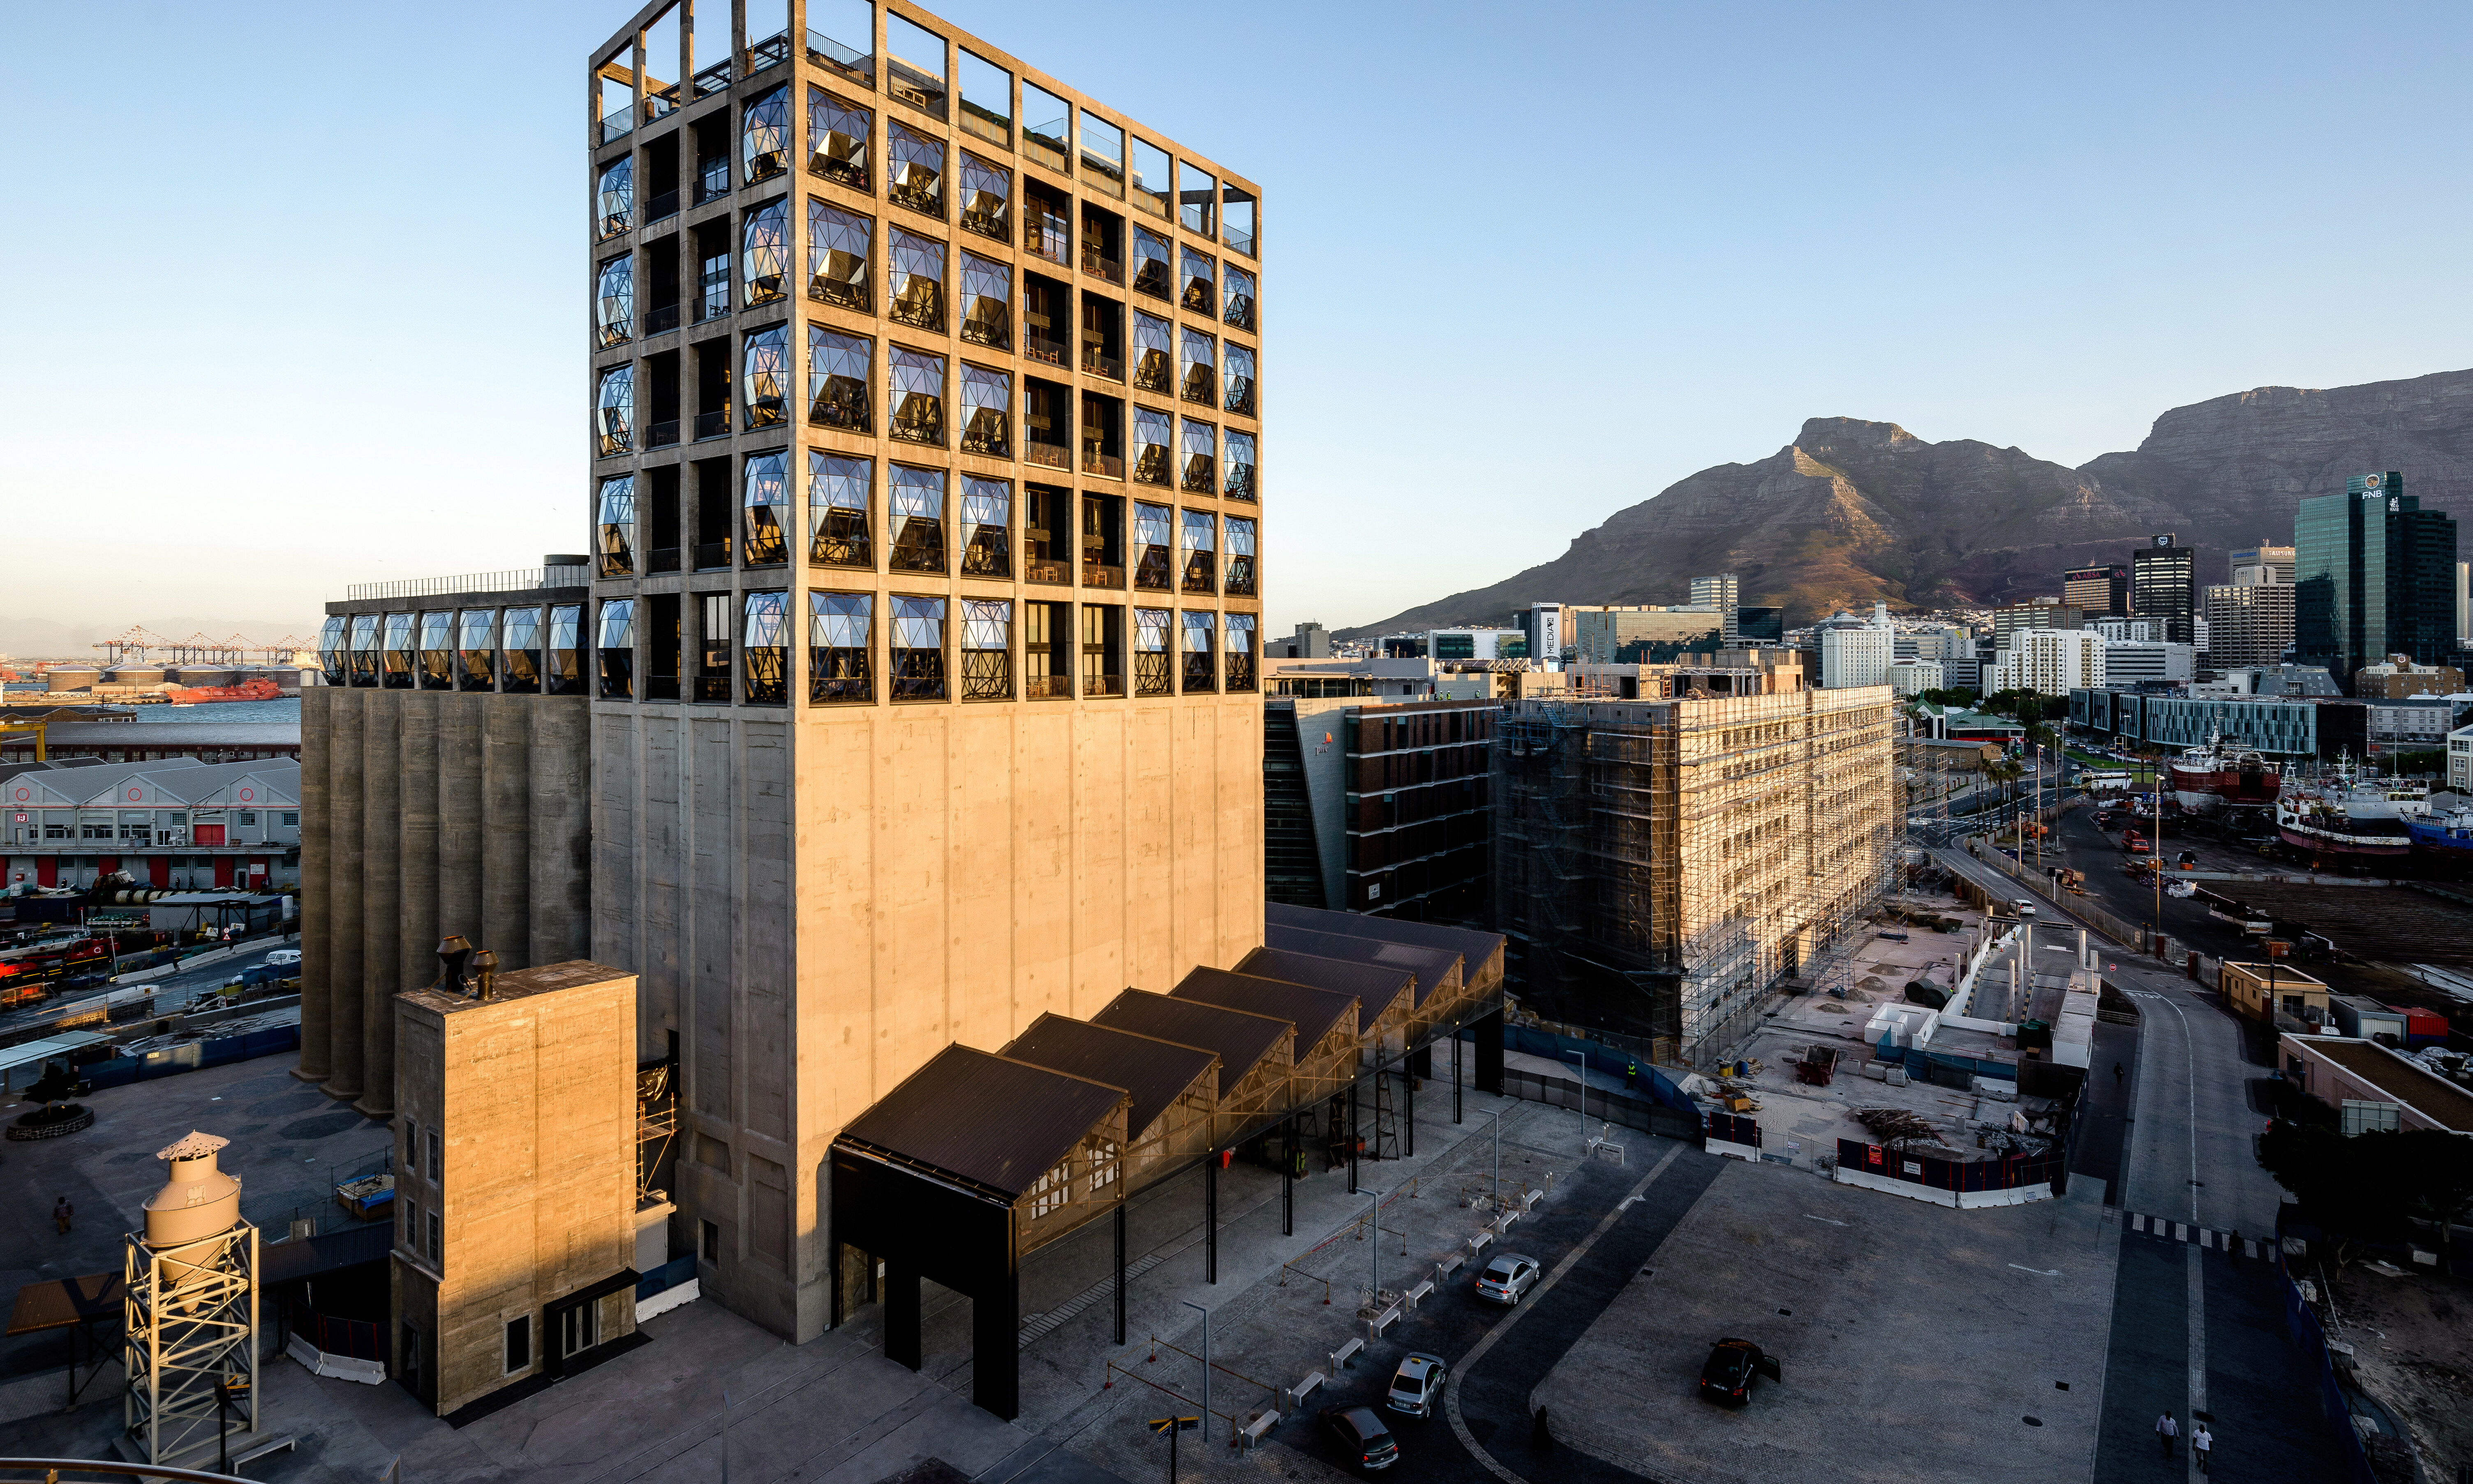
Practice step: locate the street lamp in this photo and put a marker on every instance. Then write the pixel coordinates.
(1582, 1058)
(1206, 1353)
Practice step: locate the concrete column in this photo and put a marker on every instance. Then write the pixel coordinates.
(506, 887)
(346, 883)
(417, 930)
(317, 848)
(382, 880)
(458, 816)
(561, 829)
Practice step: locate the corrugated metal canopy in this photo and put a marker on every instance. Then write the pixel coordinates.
(1430, 965)
(1240, 1037)
(1374, 984)
(1154, 1071)
(1311, 1011)
(1478, 951)
(994, 1123)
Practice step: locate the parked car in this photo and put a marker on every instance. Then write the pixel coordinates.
(2025, 905)
(1417, 1385)
(1508, 1278)
(1358, 1430)
(283, 957)
(1732, 1364)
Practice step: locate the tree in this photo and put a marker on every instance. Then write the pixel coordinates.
(2370, 1186)
(2437, 1169)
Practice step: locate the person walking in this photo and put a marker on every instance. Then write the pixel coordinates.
(2166, 1430)
(1539, 1438)
(2118, 1074)
(2202, 1443)
(61, 1211)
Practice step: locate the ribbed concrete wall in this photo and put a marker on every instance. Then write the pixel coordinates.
(317, 1056)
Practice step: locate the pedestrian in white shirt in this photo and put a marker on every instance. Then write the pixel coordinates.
(2166, 1430)
(2201, 1443)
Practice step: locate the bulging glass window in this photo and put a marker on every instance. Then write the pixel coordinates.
(764, 648)
(839, 532)
(1240, 652)
(1150, 263)
(365, 649)
(1201, 472)
(1236, 304)
(613, 411)
(987, 198)
(334, 661)
(614, 195)
(918, 381)
(987, 411)
(1151, 434)
(987, 527)
(840, 369)
(987, 649)
(767, 378)
(519, 651)
(915, 519)
(916, 280)
(1154, 551)
(618, 525)
(614, 299)
(617, 649)
(917, 163)
(1238, 467)
(397, 653)
(563, 652)
(1201, 669)
(838, 132)
(1197, 366)
(1151, 662)
(476, 647)
(437, 649)
(1197, 200)
(838, 244)
(1154, 353)
(1241, 380)
(917, 648)
(1198, 290)
(767, 506)
(841, 633)
(1200, 550)
(986, 302)
(1240, 556)
(764, 135)
(767, 258)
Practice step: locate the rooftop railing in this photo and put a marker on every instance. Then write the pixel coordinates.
(513, 580)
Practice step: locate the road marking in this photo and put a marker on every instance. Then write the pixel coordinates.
(1808, 1217)
(2045, 1272)
(1502, 1325)
(2198, 1341)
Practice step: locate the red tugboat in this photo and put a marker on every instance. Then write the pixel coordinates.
(256, 689)
(2207, 780)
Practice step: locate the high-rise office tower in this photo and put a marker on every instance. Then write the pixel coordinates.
(2097, 591)
(2375, 576)
(1721, 592)
(2163, 585)
(2252, 565)
(922, 633)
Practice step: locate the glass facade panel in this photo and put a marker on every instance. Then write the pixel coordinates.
(618, 525)
(768, 255)
(767, 378)
(617, 649)
(334, 661)
(1151, 271)
(764, 135)
(562, 655)
(987, 527)
(986, 302)
(365, 649)
(476, 648)
(917, 648)
(1237, 304)
(916, 164)
(1197, 546)
(437, 649)
(765, 650)
(1154, 353)
(987, 198)
(838, 244)
(1152, 431)
(519, 651)
(1201, 472)
(1197, 200)
(987, 411)
(614, 195)
(397, 653)
(613, 411)
(839, 529)
(1240, 556)
(1046, 125)
(1154, 552)
(1197, 366)
(837, 131)
(1240, 397)
(1238, 470)
(916, 280)
(767, 507)
(915, 519)
(1240, 652)
(918, 382)
(1151, 659)
(1153, 178)
(840, 371)
(1198, 289)
(841, 636)
(987, 650)
(615, 301)
(1200, 668)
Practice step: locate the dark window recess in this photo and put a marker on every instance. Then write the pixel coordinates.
(712, 271)
(1047, 529)
(1047, 313)
(1103, 244)
(663, 646)
(661, 178)
(1103, 540)
(1103, 650)
(661, 405)
(520, 1343)
(1048, 424)
(712, 649)
(1047, 644)
(1044, 232)
(662, 519)
(716, 513)
(712, 389)
(1103, 436)
(1103, 337)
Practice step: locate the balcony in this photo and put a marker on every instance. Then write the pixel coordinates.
(1044, 235)
(661, 321)
(1100, 265)
(1046, 455)
(1038, 347)
(771, 52)
(712, 425)
(662, 435)
(1107, 466)
(1100, 687)
(715, 304)
(665, 205)
(1100, 363)
(1039, 571)
(713, 179)
(1100, 574)
(712, 556)
(859, 66)
(713, 79)
(1048, 688)
(661, 559)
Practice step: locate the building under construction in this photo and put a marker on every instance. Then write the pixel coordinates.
(1659, 865)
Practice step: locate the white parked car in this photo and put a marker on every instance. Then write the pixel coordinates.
(283, 957)
(2025, 905)
(1506, 1278)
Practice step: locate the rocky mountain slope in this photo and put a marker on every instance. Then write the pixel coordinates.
(1854, 511)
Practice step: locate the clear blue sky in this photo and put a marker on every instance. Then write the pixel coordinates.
(300, 291)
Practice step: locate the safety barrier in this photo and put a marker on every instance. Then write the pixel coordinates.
(1961, 1184)
(190, 1056)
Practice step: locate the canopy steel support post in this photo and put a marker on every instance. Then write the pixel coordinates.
(1288, 1177)
(1455, 1076)
(1211, 1218)
(1354, 1140)
(1120, 1272)
(1409, 1112)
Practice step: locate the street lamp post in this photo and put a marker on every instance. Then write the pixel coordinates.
(1582, 1058)
(1206, 1361)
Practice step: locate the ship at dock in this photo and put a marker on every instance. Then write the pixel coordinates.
(2444, 836)
(2348, 813)
(2209, 779)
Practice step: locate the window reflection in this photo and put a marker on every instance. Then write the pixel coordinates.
(618, 525)
(987, 649)
(767, 505)
(1150, 263)
(839, 370)
(987, 411)
(987, 195)
(1197, 200)
(1240, 556)
(764, 648)
(986, 302)
(987, 523)
(1240, 652)
(1241, 380)
(840, 634)
(915, 519)
(334, 661)
(839, 532)
(918, 395)
(397, 653)
(365, 649)
(838, 133)
(519, 643)
(564, 661)
(1201, 558)
(768, 377)
(438, 650)
(917, 648)
(1151, 431)
(916, 280)
(1201, 672)
(916, 162)
(764, 137)
(1237, 306)
(838, 244)
(614, 297)
(617, 649)
(1154, 363)
(613, 413)
(1151, 659)
(1238, 467)
(477, 646)
(1201, 472)
(767, 258)
(1197, 366)
(1154, 561)
(616, 195)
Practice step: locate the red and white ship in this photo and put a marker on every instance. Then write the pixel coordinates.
(2207, 780)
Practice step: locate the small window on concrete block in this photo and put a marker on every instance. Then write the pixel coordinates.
(520, 1338)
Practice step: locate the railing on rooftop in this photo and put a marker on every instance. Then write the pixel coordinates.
(823, 48)
(513, 580)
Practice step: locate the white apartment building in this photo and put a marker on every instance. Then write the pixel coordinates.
(2133, 631)
(2127, 661)
(2460, 760)
(1858, 656)
(2050, 662)
(1914, 677)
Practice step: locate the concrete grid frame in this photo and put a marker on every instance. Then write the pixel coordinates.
(822, 870)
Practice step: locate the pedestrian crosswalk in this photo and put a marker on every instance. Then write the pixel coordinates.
(2183, 1232)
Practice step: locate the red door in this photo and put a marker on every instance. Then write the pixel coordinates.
(47, 870)
(159, 872)
(207, 834)
(223, 871)
(106, 865)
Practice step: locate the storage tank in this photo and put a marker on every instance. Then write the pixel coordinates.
(286, 678)
(208, 675)
(134, 675)
(198, 1200)
(71, 677)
